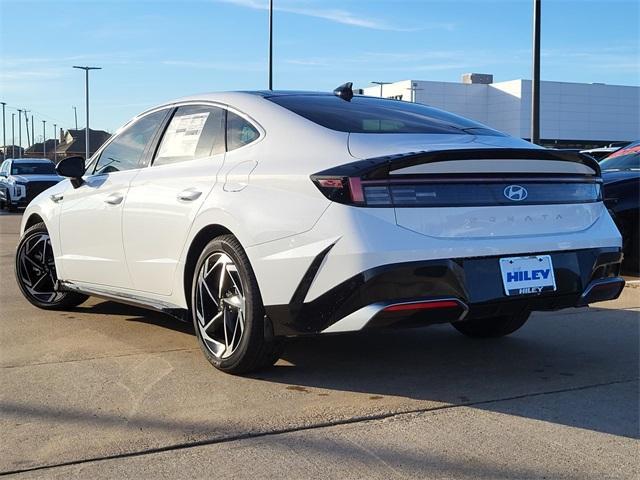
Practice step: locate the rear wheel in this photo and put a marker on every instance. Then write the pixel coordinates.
(492, 327)
(227, 310)
(631, 246)
(36, 272)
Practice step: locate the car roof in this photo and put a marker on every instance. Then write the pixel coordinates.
(287, 93)
(241, 99)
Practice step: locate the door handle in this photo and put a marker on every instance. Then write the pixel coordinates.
(189, 195)
(114, 199)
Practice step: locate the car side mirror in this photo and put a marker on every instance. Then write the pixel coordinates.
(73, 168)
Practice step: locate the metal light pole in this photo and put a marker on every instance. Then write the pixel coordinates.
(26, 126)
(381, 84)
(75, 115)
(270, 44)
(535, 83)
(414, 88)
(13, 136)
(33, 131)
(86, 92)
(19, 133)
(44, 139)
(55, 143)
(4, 132)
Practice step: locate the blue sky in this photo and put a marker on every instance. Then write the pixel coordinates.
(152, 51)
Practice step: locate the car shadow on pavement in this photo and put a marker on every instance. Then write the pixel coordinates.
(597, 357)
(580, 369)
(135, 314)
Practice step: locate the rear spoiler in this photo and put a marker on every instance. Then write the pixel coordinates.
(380, 167)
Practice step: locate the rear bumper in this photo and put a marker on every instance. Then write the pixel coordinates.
(362, 301)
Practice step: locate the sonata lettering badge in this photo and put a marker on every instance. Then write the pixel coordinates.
(527, 275)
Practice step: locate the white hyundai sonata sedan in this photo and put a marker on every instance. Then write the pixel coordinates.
(264, 215)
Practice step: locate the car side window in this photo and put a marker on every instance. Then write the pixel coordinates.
(239, 132)
(126, 151)
(194, 132)
(5, 167)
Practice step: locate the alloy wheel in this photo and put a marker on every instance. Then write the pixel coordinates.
(37, 270)
(220, 305)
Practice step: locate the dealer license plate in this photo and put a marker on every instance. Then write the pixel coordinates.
(527, 275)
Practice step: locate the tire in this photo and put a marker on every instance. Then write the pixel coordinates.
(492, 327)
(225, 302)
(35, 272)
(10, 206)
(631, 248)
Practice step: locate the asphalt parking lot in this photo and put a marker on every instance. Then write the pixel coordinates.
(111, 391)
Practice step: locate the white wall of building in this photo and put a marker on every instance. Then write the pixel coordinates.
(568, 111)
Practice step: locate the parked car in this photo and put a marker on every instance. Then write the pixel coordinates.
(621, 175)
(601, 152)
(21, 180)
(263, 215)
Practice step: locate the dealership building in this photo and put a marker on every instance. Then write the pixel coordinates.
(572, 115)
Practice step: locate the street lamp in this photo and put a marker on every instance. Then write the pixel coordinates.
(86, 94)
(535, 82)
(13, 136)
(270, 44)
(381, 84)
(19, 133)
(55, 143)
(414, 88)
(4, 132)
(44, 139)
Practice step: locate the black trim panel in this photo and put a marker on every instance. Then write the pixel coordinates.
(475, 281)
(181, 314)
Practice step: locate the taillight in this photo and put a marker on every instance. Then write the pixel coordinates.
(453, 192)
(340, 189)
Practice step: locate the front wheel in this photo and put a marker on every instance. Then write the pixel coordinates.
(36, 272)
(227, 310)
(492, 327)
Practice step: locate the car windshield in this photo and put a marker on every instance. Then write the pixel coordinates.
(378, 115)
(39, 168)
(627, 158)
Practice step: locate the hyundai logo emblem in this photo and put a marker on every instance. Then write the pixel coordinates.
(516, 193)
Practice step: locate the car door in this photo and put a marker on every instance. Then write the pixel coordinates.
(165, 197)
(91, 215)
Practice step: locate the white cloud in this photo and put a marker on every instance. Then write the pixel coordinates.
(223, 65)
(335, 15)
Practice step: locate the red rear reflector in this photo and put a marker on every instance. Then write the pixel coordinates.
(330, 182)
(357, 194)
(400, 307)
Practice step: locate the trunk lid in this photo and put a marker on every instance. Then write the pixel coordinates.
(474, 190)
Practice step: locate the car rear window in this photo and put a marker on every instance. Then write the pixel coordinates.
(627, 158)
(377, 115)
(40, 168)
